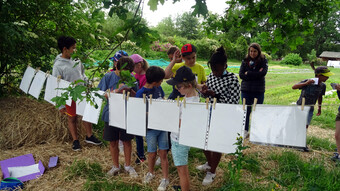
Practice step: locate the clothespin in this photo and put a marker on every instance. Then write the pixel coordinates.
(58, 78)
(47, 73)
(254, 105)
(123, 94)
(177, 100)
(144, 97)
(150, 98)
(37, 69)
(207, 103)
(128, 95)
(184, 102)
(303, 103)
(214, 103)
(244, 104)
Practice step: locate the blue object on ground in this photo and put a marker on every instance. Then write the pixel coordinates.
(161, 62)
(10, 183)
(53, 162)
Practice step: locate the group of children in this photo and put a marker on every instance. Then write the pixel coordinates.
(189, 80)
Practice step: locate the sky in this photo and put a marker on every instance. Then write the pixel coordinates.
(170, 9)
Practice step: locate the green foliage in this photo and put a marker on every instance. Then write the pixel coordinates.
(292, 59)
(81, 168)
(126, 78)
(320, 144)
(188, 26)
(205, 47)
(268, 57)
(311, 57)
(112, 185)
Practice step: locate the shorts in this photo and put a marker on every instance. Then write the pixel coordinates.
(112, 133)
(180, 153)
(154, 137)
(71, 110)
(310, 115)
(337, 118)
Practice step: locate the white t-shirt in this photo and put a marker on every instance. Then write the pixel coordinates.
(194, 99)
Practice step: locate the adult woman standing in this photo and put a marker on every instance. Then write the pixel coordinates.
(252, 72)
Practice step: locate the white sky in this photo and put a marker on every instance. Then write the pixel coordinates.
(153, 18)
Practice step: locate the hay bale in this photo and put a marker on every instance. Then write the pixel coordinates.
(26, 121)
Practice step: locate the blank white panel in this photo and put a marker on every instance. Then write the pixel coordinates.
(50, 90)
(91, 114)
(37, 84)
(117, 111)
(64, 84)
(281, 125)
(81, 107)
(163, 115)
(194, 122)
(27, 79)
(136, 116)
(226, 122)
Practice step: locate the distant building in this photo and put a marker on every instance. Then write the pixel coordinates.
(328, 55)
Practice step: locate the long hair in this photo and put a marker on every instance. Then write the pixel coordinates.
(259, 57)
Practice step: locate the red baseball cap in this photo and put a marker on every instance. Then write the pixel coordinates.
(188, 49)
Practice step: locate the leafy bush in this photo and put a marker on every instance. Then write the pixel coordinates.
(161, 47)
(205, 47)
(268, 57)
(292, 59)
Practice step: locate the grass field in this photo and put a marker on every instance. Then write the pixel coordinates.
(258, 168)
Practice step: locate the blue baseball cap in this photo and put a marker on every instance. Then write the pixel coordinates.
(118, 55)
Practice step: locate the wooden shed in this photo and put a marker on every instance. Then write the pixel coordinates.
(328, 55)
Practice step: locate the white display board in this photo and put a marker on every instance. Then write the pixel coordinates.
(225, 124)
(117, 111)
(81, 107)
(163, 115)
(136, 116)
(27, 79)
(279, 125)
(37, 84)
(50, 90)
(194, 124)
(91, 114)
(64, 84)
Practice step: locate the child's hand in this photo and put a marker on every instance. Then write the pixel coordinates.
(310, 81)
(319, 112)
(177, 57)
(261, 70)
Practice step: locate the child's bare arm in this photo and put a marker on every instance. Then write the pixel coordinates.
(300, 85)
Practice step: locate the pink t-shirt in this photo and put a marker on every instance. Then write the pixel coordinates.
(142, 79)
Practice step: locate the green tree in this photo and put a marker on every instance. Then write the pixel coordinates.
(188, 26)
(166, 27)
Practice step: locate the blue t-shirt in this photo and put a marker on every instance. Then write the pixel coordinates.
(109, 81)
(156, 92)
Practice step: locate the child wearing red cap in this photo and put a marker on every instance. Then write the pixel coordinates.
(188, 54)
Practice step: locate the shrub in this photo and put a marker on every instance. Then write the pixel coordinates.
(292, 59)
(205, 47)
(161, 47)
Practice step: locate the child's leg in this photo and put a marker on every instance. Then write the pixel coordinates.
(72, 126)
(114, 151)
(163, 154)
(151, 161)
(88, 128)
(151, 141)
(337, 135)
(127, 152)
(140, 146)
(215, 159)
(183, 173)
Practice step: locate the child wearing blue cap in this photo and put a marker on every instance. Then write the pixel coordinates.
(116, 57)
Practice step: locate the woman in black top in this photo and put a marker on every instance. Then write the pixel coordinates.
(252, 72)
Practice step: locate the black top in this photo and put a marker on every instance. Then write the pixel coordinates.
(254, 81)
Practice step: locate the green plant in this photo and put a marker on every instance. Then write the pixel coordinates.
(81, 168)
(205, 47)
(320, 144)
(292, 59)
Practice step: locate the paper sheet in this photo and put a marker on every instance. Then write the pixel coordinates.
(226, 123)
(50, 90)
(37, 84)
(136, 116)
(194, 123)
(27, 79)
(279, 125)
(163, 115)
(81, 107)
(117, 111)
(91, 114)
(64, 84)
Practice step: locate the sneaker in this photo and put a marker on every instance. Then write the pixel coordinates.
(208, 179)
(131, 171)
(93, 140)
(203, 167)
(148, 177)
(114, 170)
(336, 157)
(162, 186)
(140, 159)
(158, 161)
(76, 145)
